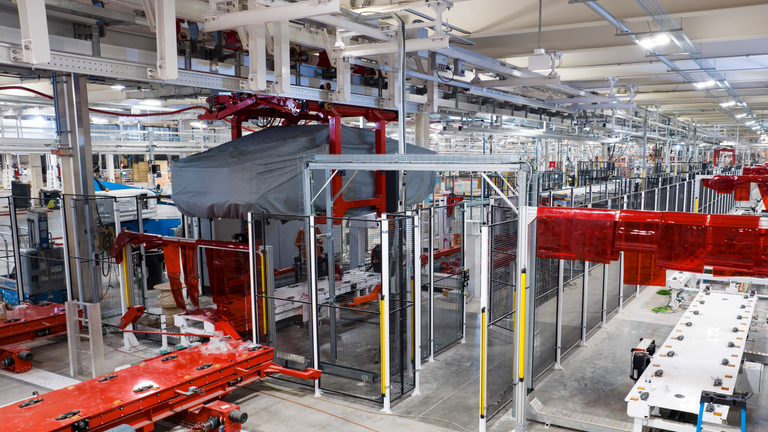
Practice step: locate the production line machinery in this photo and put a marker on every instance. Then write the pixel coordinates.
(188, 385)
(688, 382)
(27, 323)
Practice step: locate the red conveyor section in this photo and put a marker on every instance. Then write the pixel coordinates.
(146, 393)
(33, 322)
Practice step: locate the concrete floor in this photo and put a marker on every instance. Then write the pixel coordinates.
(449, 385)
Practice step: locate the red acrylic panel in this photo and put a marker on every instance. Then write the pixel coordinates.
(637, 231)
(173, 269)
(189, 264)
(761, 265)
(553, 233)
(576, 234)
(229, 277)
(682, 241)
(742, 192)
(718, 272)
(732, 242)
(641, 269)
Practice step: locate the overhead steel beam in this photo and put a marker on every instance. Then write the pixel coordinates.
(379, 48)
(286, 12)
(513, 82)
(110, 16)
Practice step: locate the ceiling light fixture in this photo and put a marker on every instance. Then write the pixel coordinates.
(741, 115)
(654, 41)
(749, 123)
(704, 84)
(117, 87)
(728, 104)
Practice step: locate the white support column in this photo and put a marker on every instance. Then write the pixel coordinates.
(313, 298)
(523, 320)
(111, 167)
(384, 316)
(484, 270)
(35, 175)
(167, 62)
(421, 129)
(393, 83)
(417, 298)
(621, 282)
(431, 261)
(282, 57)
(34, 32)
(257, 59)
(343, 91)
(604, 318)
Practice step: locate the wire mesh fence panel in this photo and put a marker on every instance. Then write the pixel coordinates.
(401, 305)
(545, 314)
(92, 219)
(349, 255)
(501, 310)
(425, 227)
(613, 275)
(662, 201)
(594, 309)
(672, 198)
(39, 273)
(573, 290)
(283, 295)
(650, 200)
(448, 268)
(688, 197)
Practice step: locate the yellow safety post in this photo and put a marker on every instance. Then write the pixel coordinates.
(483, 360)
(382, 349)
(521, 317)
(263, 292)
(125, 277)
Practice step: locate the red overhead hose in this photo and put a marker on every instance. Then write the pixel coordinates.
(98, 111)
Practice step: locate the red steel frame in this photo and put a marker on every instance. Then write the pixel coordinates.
(237, 108)
(26, 324)
(146, 393)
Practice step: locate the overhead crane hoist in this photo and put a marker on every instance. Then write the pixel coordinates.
(238, 108)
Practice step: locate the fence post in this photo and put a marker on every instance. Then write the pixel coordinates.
(252, 267)
(621, 282)
(484, 279)
(65, 245)
(584, 299)
(431, 252)
(559, 319)
(16, 248)
(312, 256)
(417, 298)
(386, 388)
(605, 297)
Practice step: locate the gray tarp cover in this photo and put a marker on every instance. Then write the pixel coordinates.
(260, 172)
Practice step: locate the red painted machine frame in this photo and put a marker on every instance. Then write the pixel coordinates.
(33, 322)
(237, 108)
(180, 384)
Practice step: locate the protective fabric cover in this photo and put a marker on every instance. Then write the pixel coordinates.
(261, 172)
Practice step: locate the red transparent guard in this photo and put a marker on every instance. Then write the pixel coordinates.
(189, 264)
(682, 241)
(576, 234)
(641, 269)
(733, 242)
(637, 231)
(229, 277)
(761, 267)
(173, 268)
